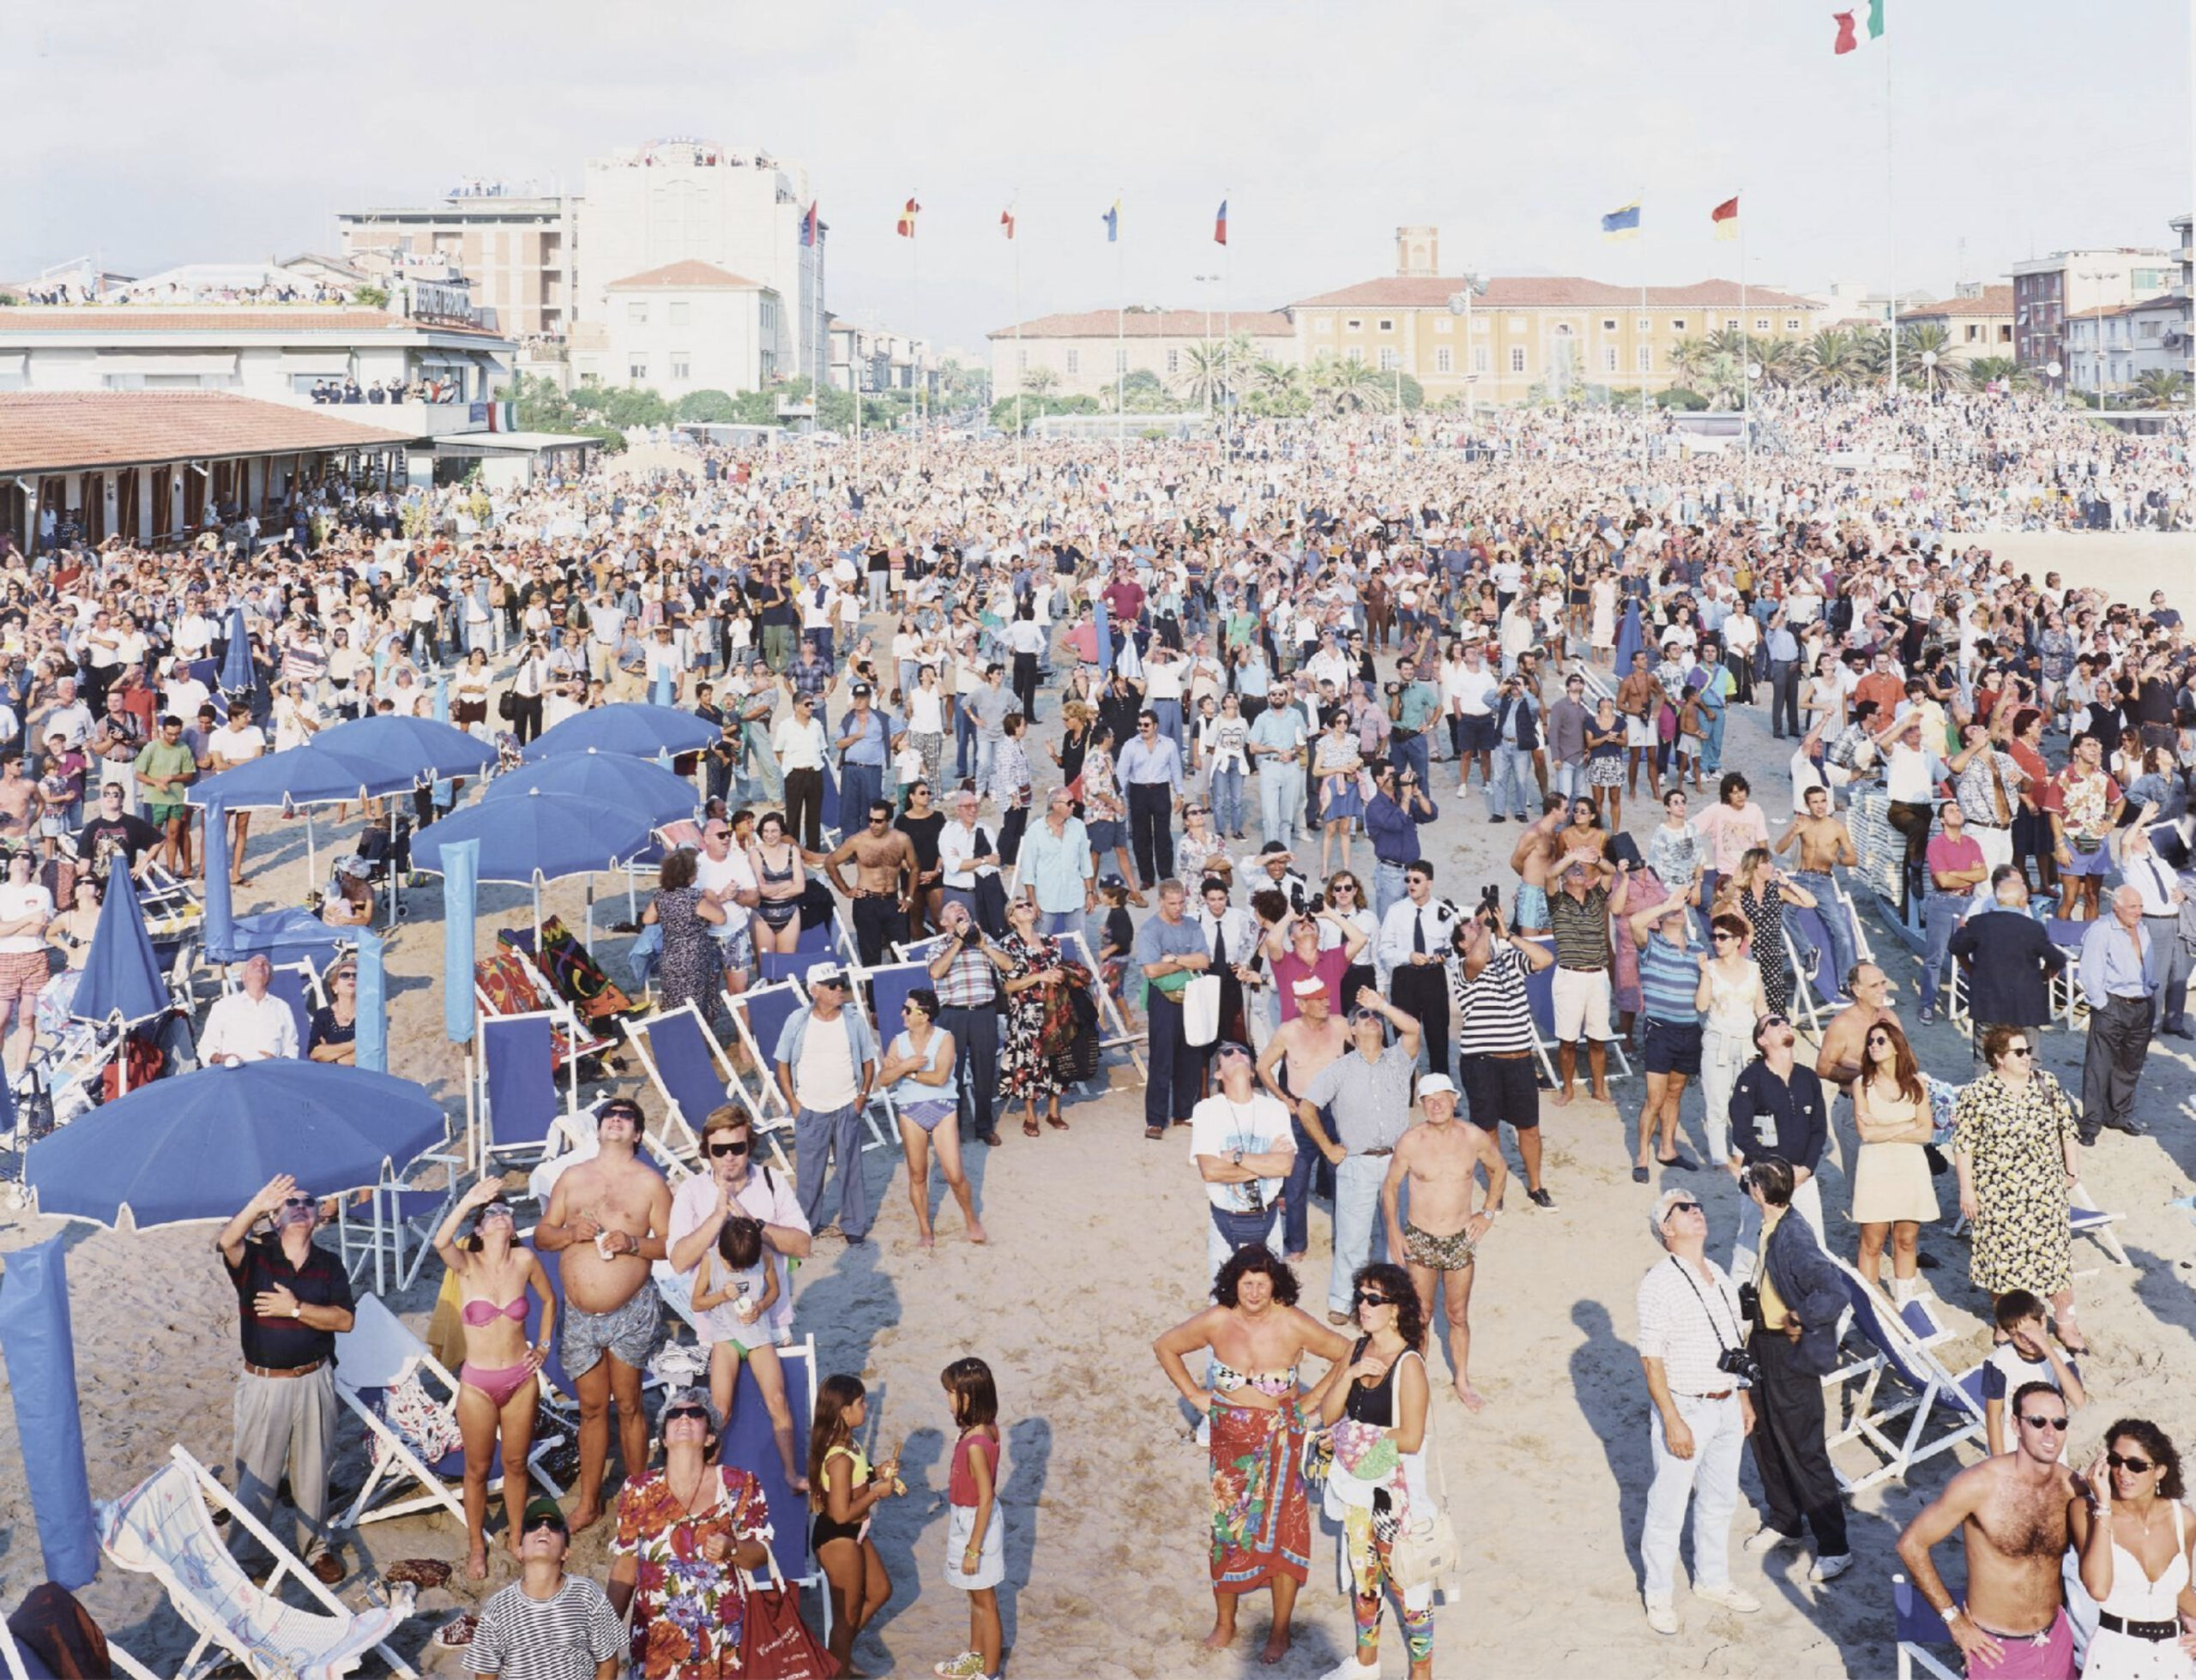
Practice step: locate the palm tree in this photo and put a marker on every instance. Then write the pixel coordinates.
(2001, 369)
(1036, 381)
(1200, 381)
(1833, 358)
(1689, 356)
(1348, 387)
(1929, 338)
(2160, 388)
(1780, 361)
(1277, 378)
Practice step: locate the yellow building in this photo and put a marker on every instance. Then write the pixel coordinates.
(1979, 322)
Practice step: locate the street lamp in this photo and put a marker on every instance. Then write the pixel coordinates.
(1460, 303)
(1929, 371)
(2053, 371)
(2097, 323)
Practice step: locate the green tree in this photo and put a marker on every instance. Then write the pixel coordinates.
(631, 405)
(2160, 388)
(1830, 359)
(710, 406)
(2001, 369)
(1039, 381)
(1929, 338)
(1344, 387)
(1201, 375)
(1677, 397)
(371, 297)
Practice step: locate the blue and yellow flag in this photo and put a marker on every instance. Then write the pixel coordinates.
(1622, 224)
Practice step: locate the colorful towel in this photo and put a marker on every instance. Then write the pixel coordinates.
(1261, 1521)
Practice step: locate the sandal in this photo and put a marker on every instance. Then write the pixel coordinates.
(1056, 1123)
(1029, 1129)
(420, 1572)
(457, 1631)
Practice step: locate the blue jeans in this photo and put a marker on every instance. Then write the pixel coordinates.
(1837, 921)
(1360, 1237)
(859, 784)
(1227, 811)
(817, 1137)
(1387, 888)
(1058, 924)
(1711, 743)
(1941, 914)
(1169, 714)
(1296, 1217)
(1514, 788)
(964, 737)
(1280, 800)
(1410, 755)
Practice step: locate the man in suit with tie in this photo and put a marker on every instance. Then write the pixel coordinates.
(2009, 958)
(1414, 952)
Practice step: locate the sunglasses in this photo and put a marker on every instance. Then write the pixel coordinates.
(620, 1112)
(2058, 1424)
(1683, 1207)
(1361, 1299)
(545, 1520)
(1723, 938)
(679, 1413)
(740, 1147)
(299, 1202)
(1775, 1020)
(1231, 1048)
(2022, 1050)
(2137, 1465)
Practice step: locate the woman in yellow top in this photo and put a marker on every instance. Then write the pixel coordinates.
(843, 1489)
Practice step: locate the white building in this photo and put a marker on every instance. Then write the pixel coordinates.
(2109, 349)
(1086, 351)
(648, 208)
(688, 326)
(515, 248)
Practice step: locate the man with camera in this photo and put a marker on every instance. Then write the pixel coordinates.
(1412, 706)
(1697, 1370)
(1778, 1111)
(1517, 741)
(1397, 809)
(1795, 1308)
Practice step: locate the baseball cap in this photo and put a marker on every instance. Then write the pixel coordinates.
(1435, 1085)
(859, 688)
(824, 974)
(545, 1510)
(1309, 987)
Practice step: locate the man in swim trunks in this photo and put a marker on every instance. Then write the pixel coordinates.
(1535, 850)
(883, 858)
(1438, 1160)
(608, 1218)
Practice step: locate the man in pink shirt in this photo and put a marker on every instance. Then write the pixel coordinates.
(1729, 831)
(1954, 860)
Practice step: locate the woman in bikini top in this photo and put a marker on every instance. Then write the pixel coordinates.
(495, 1384)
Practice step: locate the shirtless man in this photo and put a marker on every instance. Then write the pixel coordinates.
(1843, 1041)
(2014, 1510)
(1529, 859)
(1440, 1160)
(1297, 1051)
(1823, 843)
(1637, 698)
(608, 1218)
(883, 856)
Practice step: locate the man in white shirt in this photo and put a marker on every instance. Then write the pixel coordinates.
(799, 742)
(725, 877)
(184, 693)
(964, 852)
(249, 1026)
(237, 741)
(1241, 1141)
(826, 1063)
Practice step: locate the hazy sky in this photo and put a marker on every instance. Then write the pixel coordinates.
(185, 131)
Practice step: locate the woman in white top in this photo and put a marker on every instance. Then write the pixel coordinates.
(296, 715)
(343, 662)
(1822, 698)
(925, 704)
(2131, 1530)
(26, 908)
(468, 694)
(1731, 999)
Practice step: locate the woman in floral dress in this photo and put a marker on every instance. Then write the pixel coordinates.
(1029, 966)
(2015, 1148)
(689, 969)
(684, 1534)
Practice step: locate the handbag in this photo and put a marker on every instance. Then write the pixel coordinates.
(774, 1643)
(507, 705)
(1426, 1552)
(1201, 1009)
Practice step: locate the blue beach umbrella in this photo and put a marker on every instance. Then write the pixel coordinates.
(532, 837)
(239, 675)
(637, 785)
(121, 977)
(200, 1146)
(636, 731)
(419, 747)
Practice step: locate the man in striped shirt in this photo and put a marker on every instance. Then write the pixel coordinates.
(1578, 915)
(1494, 1035)
(1673, 973)
(546, 1625)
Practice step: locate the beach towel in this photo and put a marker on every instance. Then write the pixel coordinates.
(567, 965)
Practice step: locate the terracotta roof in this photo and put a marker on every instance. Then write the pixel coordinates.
(1994, 300)
(1556, 292)
(45, 431)
(1154, 324)
(125, 318)
(689, 275)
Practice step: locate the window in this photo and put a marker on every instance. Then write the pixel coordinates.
(1731, 323)
(1791, 323)
(1609, 359)
(1353, 354)
(680, 364)
(1355, 326)
(1644, 324)
(1479, 358)
(1974, 333)
(1761, 323)
(1442, 360)
(679, 312)
(1515, 322)
(636, 312)
(1646, 354)
(1516, 358)
(1073, 363)
(1443, 323)
(1020, 361)
(1608, 325)
(1390, 361)
(1121, 360)
(1678, 325)
(636, 370)
(1388, 326)
(1173, 361)
(1479, 324)
(1325, 323)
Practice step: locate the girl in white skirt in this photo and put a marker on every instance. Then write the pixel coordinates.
(975, 1541)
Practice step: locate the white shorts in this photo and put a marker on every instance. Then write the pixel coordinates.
(991, 1561)
(1638, 732)
(1582, 1005)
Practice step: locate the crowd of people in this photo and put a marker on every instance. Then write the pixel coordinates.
(1318, 641)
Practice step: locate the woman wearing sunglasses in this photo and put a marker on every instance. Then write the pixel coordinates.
(1892, 1195)
(2131, 1533)
(496, 1386)
(2015, 1148)
(917, 1076)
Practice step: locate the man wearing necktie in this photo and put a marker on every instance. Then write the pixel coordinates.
(2115, 962)
(2141, 868)
(1414, 950)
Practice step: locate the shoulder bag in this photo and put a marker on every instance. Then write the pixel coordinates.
(1426, 1552)
(1201, 1009)
(774, 1643)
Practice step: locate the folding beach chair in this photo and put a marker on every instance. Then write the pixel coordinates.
(780, 965)
(525, 1099)
(296, 985)
(506, 984)
(393, 1214)
(759, 1016)
(1811, 988)
(747, 1442)
(163, 1528)
(376, 1356)
(1862, 949)
(919, 950)
(580, 1131)
(688, 1068)
(879, 993)
(1539, 994)
(1933, 1394)
(1112, 1027)
(2067, 1000)
(2089, 1219)
(1917, 1625)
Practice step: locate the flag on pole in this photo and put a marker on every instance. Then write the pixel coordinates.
(1845, 42)
(1726, 218)
(1006, 223)
(1875, 19)
(1220, 225)
(906, 228)
(808, 225)
(1622, 224)
(1113, 221)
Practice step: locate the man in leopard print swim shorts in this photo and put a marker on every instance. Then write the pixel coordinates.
(1426, 1201)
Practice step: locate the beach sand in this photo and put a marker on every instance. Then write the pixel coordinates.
(1097, 1245)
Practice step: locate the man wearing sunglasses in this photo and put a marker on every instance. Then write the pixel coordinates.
(547, 1623)
(737, 1183)
(884, 874)
(826, 1061)
(2012, 1512)
(293, 1299)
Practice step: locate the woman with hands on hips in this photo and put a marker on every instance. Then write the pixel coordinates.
(496, 1388)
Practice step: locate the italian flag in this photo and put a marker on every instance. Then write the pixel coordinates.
(1848, 35)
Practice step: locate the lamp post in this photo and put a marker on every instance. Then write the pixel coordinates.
(1205, 377)
(2097, 348)
(1460, 303)
(2055, 370)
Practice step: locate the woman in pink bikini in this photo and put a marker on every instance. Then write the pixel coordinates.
(495, 1384)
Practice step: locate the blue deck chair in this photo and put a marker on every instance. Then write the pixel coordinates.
(1933, 1394)
(777, 965)
(880, 992)
(747, 1442)
(1818, 986)
(688, 1068)
(525, 1108)
(759, 1016)
(295, 985)
(919, 950)
(1917, 1626)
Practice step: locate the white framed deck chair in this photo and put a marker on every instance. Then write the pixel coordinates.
(394, 1214)
(759, 1016)
(1112, 1027)
(579, 1132)
(164, 1528)
(1863, 951)
(2067, 999)
(1898, 1429)
(18, 1661)
(878, 993)
(524, 1094)
(377, 1356)
(2089, 1219)
(919, 950)
(1539, 996)
(688, 1068)
(1918, 1626)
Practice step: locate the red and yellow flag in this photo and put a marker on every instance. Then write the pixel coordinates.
(906, 226)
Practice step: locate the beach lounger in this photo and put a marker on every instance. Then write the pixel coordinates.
(1934, 1396)
(395, 1214)
(759, 1016)
(1918, 1626)
(506, 984)
(378, 1354)
(688, 1068)
(164, 1528)
(524, 1095)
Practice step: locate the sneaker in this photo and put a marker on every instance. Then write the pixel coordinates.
(1764, 1540)
(1928, 1015)
(968, 1665)
(1661, 1615)
(1727, 1597)
(1337, 1319)
(1829, 1568)
(1350, 1668)
(1541, 1198)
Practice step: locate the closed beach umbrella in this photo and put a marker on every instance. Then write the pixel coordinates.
(200, 1146)
(238, 677)
(122, 978)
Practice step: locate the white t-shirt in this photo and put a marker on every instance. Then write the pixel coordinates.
(237, 745)
(826, 1077)
(733, 874)
(17, 902)
(1220, 1126)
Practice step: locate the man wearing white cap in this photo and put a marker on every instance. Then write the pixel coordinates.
(1241, 1141)
(827, 1062)
(1440, 1161)
(1300, 1047)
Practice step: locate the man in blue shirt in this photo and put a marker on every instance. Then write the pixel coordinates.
(1278, 747)
(1393, 817)
(865, 736)
(1149, 772)
(1170, 948)
(2115, 974)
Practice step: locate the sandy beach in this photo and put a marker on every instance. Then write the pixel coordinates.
(1097, 1245)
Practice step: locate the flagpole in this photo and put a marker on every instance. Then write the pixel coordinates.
(1640, 233)
(1014, 239)
(1120, 347)
(1891, 217)
(1746, 367)
(1228, 337)
(914, 340)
